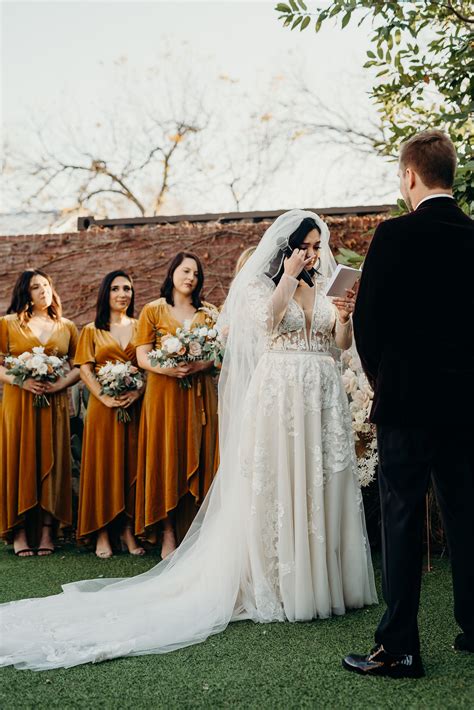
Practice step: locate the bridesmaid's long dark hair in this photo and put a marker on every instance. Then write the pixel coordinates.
(167, 287)
(102, 313)
(21, 299)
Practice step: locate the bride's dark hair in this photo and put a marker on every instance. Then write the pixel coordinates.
(296, 239)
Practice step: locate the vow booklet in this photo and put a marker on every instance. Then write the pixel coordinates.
(344, 277)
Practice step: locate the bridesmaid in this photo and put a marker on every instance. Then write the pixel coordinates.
(35, 456)
(178, 452)
(109, 449)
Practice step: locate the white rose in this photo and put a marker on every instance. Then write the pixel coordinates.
(367, 390)
(34, 363)
(363, 400)
(172, 345)
(212, 333)
(54, 361)
(349, 379)
(203, 332)
(42, 369)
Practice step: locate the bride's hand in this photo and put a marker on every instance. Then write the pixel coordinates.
(295, 263)
(345, 306)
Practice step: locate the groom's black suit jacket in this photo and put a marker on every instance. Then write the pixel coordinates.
(414, 316)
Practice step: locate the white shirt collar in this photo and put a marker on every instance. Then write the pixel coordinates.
(431, 197)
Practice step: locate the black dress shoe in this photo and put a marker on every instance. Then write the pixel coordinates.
(463, 643)
(380, 663)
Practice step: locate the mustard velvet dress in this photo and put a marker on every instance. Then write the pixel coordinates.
(109, 447)
(178, 440)
(35, 443)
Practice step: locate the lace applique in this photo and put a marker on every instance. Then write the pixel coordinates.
(291, 332)
(293, 319)
(337, 441)
(257, 469)
(259, 305)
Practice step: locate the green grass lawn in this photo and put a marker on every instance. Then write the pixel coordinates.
(249, 665)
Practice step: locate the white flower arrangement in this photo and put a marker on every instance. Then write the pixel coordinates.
(116, 378)
(38, 366)
(360, 396)
(186, 346)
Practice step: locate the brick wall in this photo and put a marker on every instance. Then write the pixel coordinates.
(78, 261)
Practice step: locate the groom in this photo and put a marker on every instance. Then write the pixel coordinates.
(414, 329)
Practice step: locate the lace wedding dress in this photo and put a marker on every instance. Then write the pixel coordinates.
(306, 542)
(281, 535)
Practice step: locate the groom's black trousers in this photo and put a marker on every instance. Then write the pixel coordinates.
(408, 457)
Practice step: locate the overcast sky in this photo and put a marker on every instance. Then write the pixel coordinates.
(64, 57)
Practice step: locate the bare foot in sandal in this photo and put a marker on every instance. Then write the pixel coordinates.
(46, 545)
(20, 544)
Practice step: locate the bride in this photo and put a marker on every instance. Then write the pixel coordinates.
(281, 534)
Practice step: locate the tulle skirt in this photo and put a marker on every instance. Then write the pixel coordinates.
(281, 536)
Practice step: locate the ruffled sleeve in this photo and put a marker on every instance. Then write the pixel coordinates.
(146, 330)
(85, 352)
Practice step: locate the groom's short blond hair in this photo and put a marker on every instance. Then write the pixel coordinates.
(432, 155)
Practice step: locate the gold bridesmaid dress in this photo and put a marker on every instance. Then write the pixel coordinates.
(178, 440)
(109, 447)
(35, 443)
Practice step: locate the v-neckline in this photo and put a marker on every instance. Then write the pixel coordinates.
(310, 324)
(43, 345)
(182, 325)
(123, 349)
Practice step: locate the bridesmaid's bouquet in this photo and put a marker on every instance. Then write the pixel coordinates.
(186, 346)
(116, 378)
(37, 366)
(360, 396)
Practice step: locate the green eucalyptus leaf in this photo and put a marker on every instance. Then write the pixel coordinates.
(282, 7)
(297, 22)
(346, 19)
(305, 23)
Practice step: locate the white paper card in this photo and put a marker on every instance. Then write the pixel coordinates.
(344, 277)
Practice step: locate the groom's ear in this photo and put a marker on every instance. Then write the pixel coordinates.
(411, 177)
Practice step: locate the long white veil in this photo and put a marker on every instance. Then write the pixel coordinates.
(200, 588)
